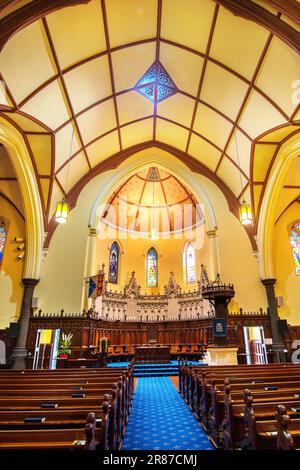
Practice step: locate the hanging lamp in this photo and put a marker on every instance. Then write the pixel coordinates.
(245, 212)
(62, 207)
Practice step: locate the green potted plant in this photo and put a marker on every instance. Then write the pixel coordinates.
(64, 347)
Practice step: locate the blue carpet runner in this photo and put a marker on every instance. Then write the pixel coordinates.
(161, 420)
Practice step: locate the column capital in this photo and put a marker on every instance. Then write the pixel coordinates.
(269, 282)
(92, 232)
(30, 282)
(212, 233)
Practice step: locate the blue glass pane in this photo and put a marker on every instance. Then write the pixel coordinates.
(152, 268)
(163, 92)
(113, 264)
(2, 243)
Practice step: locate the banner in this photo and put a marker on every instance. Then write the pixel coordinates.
(96, 286)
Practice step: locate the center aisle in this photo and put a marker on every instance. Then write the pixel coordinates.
(160, 419)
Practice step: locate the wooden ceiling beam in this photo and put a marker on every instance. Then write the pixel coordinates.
(29, 13)
(289, 8)
(252, 11)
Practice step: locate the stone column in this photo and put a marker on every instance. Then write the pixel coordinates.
(278, 345)
(20, 352)
(213, 253)
(91, 262)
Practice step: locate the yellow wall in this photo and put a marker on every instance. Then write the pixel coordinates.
(62, 283)
(288, 284)
(11, 289)
(133, 258)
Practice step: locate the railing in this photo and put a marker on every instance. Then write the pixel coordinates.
(252, 313)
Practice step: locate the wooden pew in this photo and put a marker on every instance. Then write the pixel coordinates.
(280, 433)
(26, 391)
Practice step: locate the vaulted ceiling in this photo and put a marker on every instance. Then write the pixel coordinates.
(74, 72)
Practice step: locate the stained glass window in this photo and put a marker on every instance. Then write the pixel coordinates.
(152, 268)
(3, 235)
(113, 263)
(156, 84)
(295, 245)
(190, 264)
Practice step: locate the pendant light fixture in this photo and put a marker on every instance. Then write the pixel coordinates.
(245, 211)
(63, 208)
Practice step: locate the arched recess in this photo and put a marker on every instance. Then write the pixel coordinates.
(133, 165)
(265, 233)
(21, 161)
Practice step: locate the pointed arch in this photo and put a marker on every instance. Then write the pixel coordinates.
(189, 262)
(113, 265)
(152, 268)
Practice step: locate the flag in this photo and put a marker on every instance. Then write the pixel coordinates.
(96, 286)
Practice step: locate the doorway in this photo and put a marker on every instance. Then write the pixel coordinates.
(255, 346)
(46, 346)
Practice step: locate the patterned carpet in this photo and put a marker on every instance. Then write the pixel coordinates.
(160, 420)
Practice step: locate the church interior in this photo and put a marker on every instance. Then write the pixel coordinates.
(149, 225)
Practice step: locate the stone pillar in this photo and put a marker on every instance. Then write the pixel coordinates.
(91, 262)
(20, 352)
(278, 345)
(213, 253)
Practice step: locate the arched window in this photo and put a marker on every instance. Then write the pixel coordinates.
(152, 268)
(3, 235)
(295, 245)
(190, 264)
(113, 263)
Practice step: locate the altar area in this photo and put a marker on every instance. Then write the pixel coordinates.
(131, 305)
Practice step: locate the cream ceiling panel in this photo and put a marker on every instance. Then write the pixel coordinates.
(63, 142)
(257, 189)
(103, 148)
(231, 176)
(131, 21)
(77, 32)
(287, 196)
(279, 134)
(137, 133)
(280, 69)
(97, 121)
(262, 157)
(89, 83)
(223, 90)
(259, 116)
(25, 123)
(238, 43)
(72, 172)
(212, 126)
(49, 106)
(4, 98)
(194, 25)
(172, 134)
(45, 186)
(130, 64)
(246, 196)
(178, 108)
(133, 106)
(183, 67)
(240, 146)
(55, 197)
(204, 152)
(25, 61)
(41, 149)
